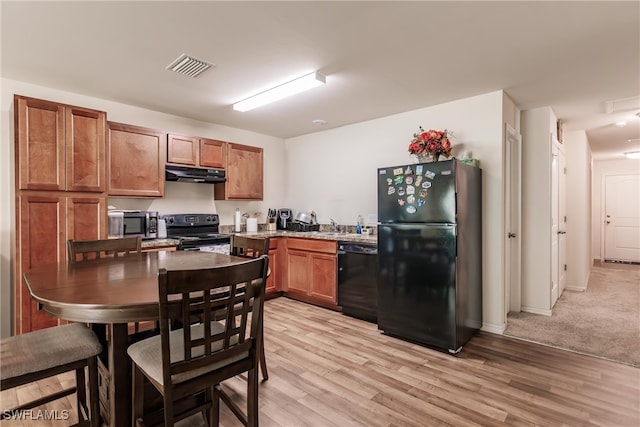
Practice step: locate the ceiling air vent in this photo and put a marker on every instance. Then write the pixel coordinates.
(188, 66)
(622, 105)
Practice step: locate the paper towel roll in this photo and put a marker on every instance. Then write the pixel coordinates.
(252, 225)
(162, 228)
(237, 221)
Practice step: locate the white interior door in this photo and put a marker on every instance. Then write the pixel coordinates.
(562, 222)
(513, 205)
(622, 218)
(555, 199)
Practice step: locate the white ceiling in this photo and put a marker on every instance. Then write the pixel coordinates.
(380, 58)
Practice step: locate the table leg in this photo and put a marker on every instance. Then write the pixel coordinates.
(120, 372)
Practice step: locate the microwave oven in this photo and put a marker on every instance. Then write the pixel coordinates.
(133, 223)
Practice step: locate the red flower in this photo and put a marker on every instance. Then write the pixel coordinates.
(434, 142)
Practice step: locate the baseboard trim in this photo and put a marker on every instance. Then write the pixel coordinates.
(494, 328)
(534, 310)
(575, 289)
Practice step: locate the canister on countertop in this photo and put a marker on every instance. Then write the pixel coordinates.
(238, 221)
(162, 228)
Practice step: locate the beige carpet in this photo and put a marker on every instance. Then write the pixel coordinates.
(604, 321)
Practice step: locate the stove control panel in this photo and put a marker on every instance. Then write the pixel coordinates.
(191, 220)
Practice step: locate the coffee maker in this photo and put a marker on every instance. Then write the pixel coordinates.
(285, 216)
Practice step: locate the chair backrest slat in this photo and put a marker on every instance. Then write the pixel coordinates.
(234, 293)
(102, 248)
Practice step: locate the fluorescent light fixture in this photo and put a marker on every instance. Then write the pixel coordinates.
(298, 85)
(633, 155)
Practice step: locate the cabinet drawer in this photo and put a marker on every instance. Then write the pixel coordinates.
(312, 245)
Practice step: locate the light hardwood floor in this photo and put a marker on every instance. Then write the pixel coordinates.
(326, 369)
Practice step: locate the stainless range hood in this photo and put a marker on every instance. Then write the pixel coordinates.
(188, 174)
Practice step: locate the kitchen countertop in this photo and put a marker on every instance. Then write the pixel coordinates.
(320, 235)
(159, 243)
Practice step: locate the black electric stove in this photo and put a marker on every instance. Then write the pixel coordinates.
(197, 232)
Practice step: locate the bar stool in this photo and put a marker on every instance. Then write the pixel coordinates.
(47, 352)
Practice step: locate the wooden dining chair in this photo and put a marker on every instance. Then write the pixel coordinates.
(86, 250)
(48, 352)
(253, 247)
(187, 365)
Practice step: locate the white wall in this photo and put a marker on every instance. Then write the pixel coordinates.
(578, 204)
(537, 126)
(180, 197)
(601, 168)
(331, 172)
(334, 172)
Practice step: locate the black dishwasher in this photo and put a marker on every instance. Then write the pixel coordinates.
(358, 280)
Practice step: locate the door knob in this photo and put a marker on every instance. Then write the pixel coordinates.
(562, 232)
(511, 235)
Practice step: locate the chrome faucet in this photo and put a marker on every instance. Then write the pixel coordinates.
(334, 224)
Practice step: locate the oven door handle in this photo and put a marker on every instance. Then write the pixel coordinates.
(191, 249)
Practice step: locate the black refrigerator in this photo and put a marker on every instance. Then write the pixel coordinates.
(430, 253)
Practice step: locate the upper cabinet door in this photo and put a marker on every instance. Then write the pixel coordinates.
(244, 174)
(136, 161)
(182, 149)
(198, 152)
(212, 153)
(40, 144)
(60, 147)
(85, 132)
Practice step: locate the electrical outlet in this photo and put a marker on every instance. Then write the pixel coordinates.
(372, 219)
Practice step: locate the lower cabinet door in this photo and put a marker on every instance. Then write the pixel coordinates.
(324, 277)
(299, 272)
(46, 222)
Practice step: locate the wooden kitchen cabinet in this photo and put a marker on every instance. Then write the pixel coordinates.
(136, 161)
(311, 271)
(59, 147)
(46, 220)
(86, 218)
(197, 152)
(244, 174)
(61, 169)
(274, 285)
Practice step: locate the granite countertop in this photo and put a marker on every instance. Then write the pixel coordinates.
(159, 243)
(320, 235)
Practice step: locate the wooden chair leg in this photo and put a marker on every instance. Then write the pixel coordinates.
(168, 408)
(215, 407)
(81, 395)
(263, 358)
(137, 391)
(94, 397)
(252, 397)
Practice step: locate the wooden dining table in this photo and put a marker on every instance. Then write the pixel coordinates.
(113, 292)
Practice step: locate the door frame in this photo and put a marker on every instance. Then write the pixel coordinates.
(558, 233)
(513, 214)
(603, 210)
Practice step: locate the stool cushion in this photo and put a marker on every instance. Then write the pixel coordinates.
(147, 354)
(46, 348)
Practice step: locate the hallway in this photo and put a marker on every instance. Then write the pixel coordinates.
(591, 322)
